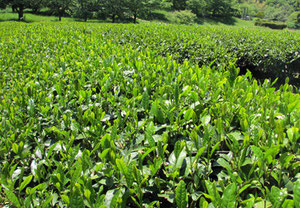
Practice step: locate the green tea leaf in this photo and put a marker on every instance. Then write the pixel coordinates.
(206, 119)
(176, 95)
(77, 173)
(213, 192)
(145, 100)
(177, 149)
(122, 166)
(258, 153)
(12, 197)
(181, 197)
(297, 194)
(149, 133)
(47, 201)
(288, 203)
(129, 175)
(277, 196)
(111, 198)
(25, 182)
(229, 196)
(188, 114)
(76, 198)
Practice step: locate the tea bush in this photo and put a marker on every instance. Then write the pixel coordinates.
(96, 115)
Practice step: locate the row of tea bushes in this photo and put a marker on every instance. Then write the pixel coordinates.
(89, 121)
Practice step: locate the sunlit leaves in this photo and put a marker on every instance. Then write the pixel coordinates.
(181, 197)
(125, 116)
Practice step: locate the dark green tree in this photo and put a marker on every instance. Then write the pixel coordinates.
(84, 8)
(160, 4)
(219, 7)
(137, 7)
(19, 5)
(197, 7)
(60, 7)
(37, 5)
(297, 6)
(179, 4)
(114, 8)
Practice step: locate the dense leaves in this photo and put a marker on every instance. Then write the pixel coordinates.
(96, 115)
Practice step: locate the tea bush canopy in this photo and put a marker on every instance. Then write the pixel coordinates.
(149, 115)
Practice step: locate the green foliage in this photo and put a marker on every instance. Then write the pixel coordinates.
(184, 17)
(181, 197)
(114, 9)
(60, 7)
(294, 20)
(272, 25)
(197, 7)
(220, 7)
(273, 10)
(18, 5)
(123, 115)
(137, 7)
(83, 9)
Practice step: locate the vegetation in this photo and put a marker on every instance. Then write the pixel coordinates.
(18, 5)
(183, 11)
(184, 17)
(273, 10)
(294, 20)
(102, 115)
(273, 25)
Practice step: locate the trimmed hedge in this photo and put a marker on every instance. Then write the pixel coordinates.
(272, 25)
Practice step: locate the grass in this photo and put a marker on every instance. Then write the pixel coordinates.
(222, 22)
(157, 16)
(8, 15)
(168, 17)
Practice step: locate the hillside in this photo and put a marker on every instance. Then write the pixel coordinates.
(278, 10)
(226, 12)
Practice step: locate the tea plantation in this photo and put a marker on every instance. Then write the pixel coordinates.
(120, 115)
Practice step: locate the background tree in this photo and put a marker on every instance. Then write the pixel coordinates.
(19, 5)
(114, 8)
(136, 7)
(37, 5)
(84, 9)
(297, 5)
(2, 4)
(160, 4)
(179, 4)
(197, 7)
(219, 7)
(60, 7)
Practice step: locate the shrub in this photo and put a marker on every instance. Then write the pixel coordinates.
(260, 14)
(184, 17)
(272, 25)
(294, 20)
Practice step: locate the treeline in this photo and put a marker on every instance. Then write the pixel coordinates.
(119, 9)
(278, 10)
(275, 10)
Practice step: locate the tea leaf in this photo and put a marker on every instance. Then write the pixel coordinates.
(297, 194)
(181, 195)
(12, 197)
(277, 196)
(229, 196)
(26, 181)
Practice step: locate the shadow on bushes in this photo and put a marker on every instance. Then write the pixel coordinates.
(278, 70)
(157, 16)
(227, 20)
